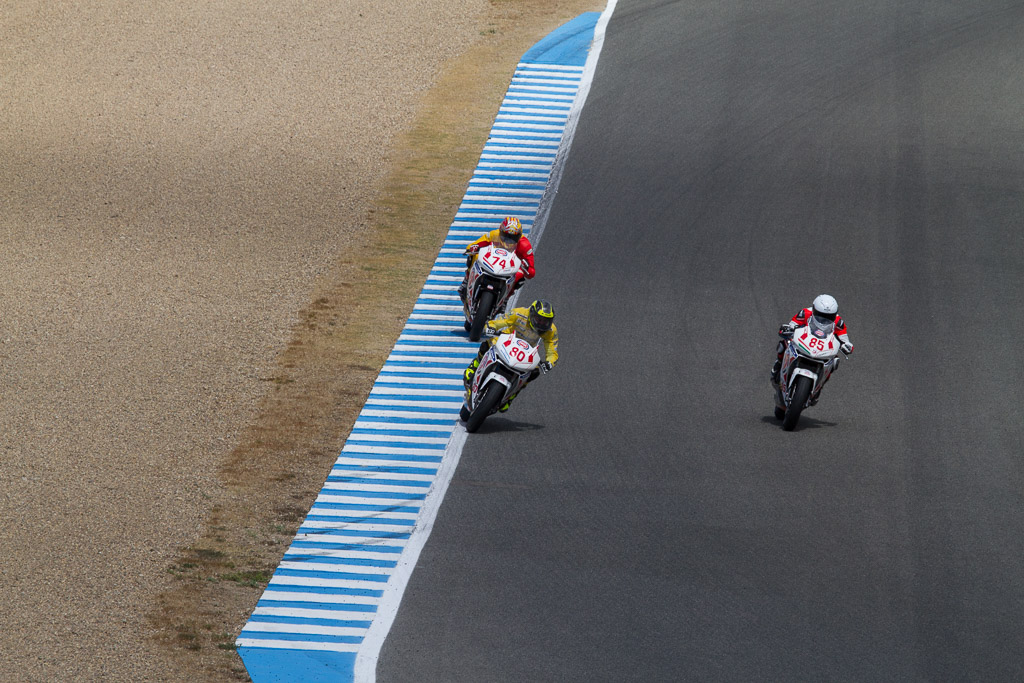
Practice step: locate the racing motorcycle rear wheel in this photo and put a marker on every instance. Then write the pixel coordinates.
(801, 390)
(493, 393)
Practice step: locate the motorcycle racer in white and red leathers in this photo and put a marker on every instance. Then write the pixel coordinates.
(826, 309)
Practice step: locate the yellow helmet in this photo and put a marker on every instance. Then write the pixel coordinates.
(542, 316)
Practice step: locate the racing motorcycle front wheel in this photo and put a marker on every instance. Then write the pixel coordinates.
(493, 393)
(483, 311)
(801, 391)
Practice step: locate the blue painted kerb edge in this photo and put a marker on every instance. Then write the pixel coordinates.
(567, 46)
(298, 666)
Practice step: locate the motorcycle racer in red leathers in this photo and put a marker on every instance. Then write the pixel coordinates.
(508, 235)
(826, 309)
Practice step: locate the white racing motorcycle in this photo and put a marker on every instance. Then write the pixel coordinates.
(809, 360)
(491, 282)
(503, 372)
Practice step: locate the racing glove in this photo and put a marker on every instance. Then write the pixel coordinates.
(846, 348)
(545, 367)
(787, 329)
(472, 249)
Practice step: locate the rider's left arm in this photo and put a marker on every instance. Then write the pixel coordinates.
(841, 332)
(527, 256)
(551, 345)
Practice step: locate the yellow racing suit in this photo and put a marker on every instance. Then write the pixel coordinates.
(519, 320)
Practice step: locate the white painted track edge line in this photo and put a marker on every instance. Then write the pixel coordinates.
(589, 68)
(295, 645)
(365, 670)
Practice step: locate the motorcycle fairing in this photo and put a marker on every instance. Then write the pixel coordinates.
(500, 365)
(487, 273)
(812, 347)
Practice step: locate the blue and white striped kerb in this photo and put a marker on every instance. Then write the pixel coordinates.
(313, 617)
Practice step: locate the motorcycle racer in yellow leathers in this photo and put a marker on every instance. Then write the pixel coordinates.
(534, 324)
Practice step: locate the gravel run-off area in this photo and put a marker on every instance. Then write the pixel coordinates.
(177, 182)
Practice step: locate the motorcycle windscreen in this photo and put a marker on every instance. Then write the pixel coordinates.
(528, 334)
(820, 327)
(506, 243)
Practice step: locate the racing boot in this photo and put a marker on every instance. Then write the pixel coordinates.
(467, 376)
(462, 290)
(775, 371)
(504, 408)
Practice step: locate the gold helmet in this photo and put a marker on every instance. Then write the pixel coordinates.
(511, 229)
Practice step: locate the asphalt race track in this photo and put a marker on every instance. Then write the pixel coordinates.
(639, 514)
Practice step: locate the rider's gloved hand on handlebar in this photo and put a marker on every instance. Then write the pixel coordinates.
(846, 348)
(787, 329)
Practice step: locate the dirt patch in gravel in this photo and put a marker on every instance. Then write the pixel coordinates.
(214, 219)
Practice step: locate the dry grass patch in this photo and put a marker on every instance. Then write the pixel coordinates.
(337, 347)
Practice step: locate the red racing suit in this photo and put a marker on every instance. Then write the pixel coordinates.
(801, 319)
(524, 250)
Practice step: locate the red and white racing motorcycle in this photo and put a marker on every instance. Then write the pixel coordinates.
(809, 360)
(503, 372)
(492, 280)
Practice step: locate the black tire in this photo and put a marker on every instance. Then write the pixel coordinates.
(494, 392)
(779, 413)
(483, 312)
(801, 390)
(463, 413)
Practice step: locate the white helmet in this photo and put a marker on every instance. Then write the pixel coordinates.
(825, 306)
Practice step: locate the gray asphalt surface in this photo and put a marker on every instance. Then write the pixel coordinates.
(639, 514)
